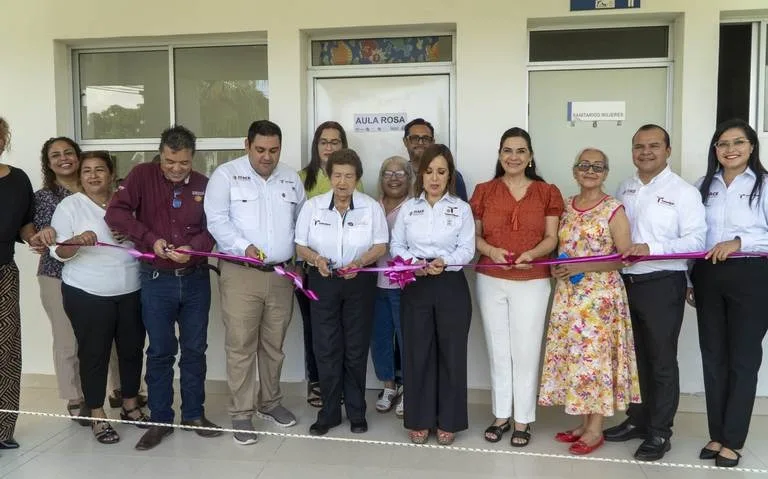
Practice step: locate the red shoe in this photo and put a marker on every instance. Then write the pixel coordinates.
(567, 436)
(580, 447)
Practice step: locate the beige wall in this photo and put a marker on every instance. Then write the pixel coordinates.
(491, 81)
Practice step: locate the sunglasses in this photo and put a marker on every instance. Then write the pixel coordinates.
(596, 167)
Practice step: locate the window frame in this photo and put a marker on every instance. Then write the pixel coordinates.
(148, 144)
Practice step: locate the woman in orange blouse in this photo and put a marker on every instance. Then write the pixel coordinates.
(516, 215)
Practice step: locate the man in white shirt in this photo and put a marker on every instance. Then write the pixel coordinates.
(251, 205)
(666, 216)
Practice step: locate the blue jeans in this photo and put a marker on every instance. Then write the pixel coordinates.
(386, 327)
(166, 299)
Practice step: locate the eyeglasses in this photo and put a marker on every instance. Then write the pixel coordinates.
(596, 167)
(416, 139)
(399, 174)
(176, 201)
(726, 145)
(324, 143)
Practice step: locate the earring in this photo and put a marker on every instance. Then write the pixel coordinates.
(530, 164)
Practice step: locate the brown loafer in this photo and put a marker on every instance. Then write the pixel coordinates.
(203, 422)
(153, 437)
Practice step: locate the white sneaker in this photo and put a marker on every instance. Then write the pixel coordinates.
(386, 400)
(399, 410)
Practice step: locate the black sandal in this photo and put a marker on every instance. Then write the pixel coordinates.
(125, 415)
(524, 435)
(74, 411)
(104, 433)
(496, 431)
(85, 411)
(314, 397)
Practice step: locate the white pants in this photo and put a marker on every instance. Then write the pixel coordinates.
(514, 316)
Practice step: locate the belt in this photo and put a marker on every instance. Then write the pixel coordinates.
(174, 272)
(642, 278)
(266, 268)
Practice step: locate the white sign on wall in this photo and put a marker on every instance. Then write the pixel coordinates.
(380, 121)
(597, 110)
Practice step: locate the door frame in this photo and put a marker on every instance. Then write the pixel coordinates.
(613, 64)
(385, 70)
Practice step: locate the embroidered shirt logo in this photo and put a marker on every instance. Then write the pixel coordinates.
(321, 223)
(629, 191)
(660, 200)
(451, 211)
(416, 213)
(241, 178)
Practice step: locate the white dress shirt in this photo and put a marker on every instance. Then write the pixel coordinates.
(243, 209)
(445, 230)
(341, 238)
(729, 213)
(100, 271)
(667, 214)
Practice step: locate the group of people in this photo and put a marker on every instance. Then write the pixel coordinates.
(611, 338)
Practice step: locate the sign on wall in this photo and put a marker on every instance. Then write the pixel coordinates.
(596, 111)
(371, 122)
(577, 5)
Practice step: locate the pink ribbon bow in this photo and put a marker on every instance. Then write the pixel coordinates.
(398, 275)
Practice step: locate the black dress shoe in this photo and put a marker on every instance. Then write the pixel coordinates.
(722, 461)
(359, 427)
(153, 437)
(320, 429)
(707, 454)
(9, 444)
(653, 449)
(203, 422)
(624, 432)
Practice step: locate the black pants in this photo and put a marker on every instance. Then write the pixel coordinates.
(435, 315)
(342, 321)
(657, 305)
(310, 364)
(97, 321)
(730, 299)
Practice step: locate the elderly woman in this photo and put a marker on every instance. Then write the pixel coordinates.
(729, 292)
(15, 225)
(516, 215)
(394, 184)
(329, 137)
(589, 360)
(100, 289)
(340, 230)
(435, 228)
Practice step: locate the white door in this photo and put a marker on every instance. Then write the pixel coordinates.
(556, 142)
(417, 96)
(341, 99)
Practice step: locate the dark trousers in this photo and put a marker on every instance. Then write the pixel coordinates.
(656, 305)
(730, 299)
(341, 332)
(435, 315)
(310, 364)
(97, 322)
(167, 300)
(10, 348)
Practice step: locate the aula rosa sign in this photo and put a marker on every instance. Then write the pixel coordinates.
(380, 121)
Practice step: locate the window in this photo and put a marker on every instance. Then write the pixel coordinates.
(127, 97)
(377, 51)
(599, 44)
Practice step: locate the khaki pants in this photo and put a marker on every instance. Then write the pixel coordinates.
(256, 309)
(65, 362)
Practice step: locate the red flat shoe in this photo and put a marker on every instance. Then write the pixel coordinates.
(580, 447)
(567, 436)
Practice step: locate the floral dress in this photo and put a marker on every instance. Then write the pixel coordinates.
(589, 361)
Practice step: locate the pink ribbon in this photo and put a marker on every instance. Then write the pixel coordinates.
(297, 282)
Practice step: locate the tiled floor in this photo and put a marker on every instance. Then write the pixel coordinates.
(59, 448)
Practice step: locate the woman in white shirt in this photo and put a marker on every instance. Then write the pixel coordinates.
(100, 289)
(729, 292)
(435, 228)
(395, 178)
(338, 230)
